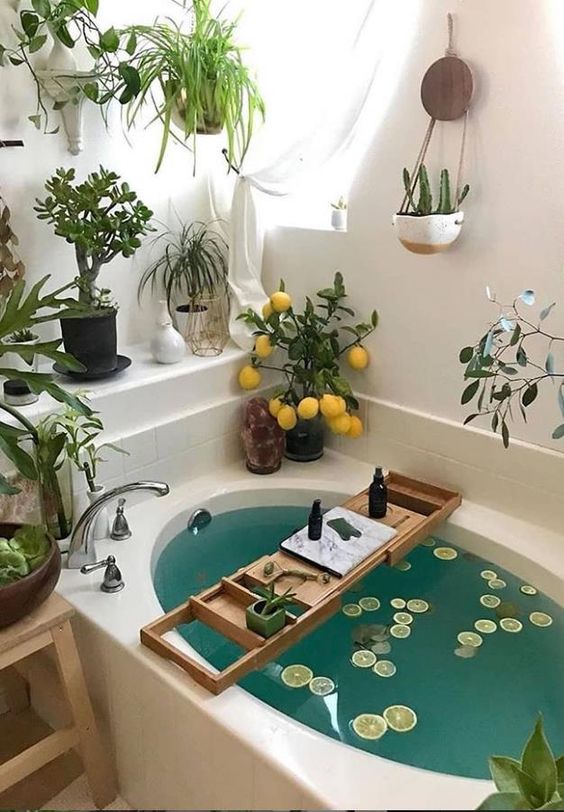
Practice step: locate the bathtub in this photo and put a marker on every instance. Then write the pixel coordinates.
(179, 747)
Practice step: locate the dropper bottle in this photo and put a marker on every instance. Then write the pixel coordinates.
(315, 521)
(377, 496)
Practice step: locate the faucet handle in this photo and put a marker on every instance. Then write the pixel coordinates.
(113, 581)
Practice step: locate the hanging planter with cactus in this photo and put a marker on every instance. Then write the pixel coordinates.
(421, 228)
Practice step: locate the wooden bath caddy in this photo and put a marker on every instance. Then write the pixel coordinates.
(414, 510)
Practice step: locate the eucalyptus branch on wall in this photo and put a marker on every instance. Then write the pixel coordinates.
(506, 368)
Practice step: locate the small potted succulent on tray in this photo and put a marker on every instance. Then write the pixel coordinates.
(424, 229)
(339, 214)
(268, 615)
(315, 342)
(103, 219)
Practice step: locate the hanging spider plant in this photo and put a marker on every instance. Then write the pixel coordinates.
(192, 266)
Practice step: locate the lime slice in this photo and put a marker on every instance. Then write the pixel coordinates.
(369, 726)
(488, 575)
(397, 603)
(296, 676)
(485, 626)
(540, 619)
(469, 639)
(321, 686)
(417, 606)
(510, 624)
(445, 553)
(363, 658)
(385, 668)
(491, 601)
(400, 631)
(369, 604)
(382, 647)
(497, 583)
(527, 589)
(466, 651)
(352, 610)
(402, 566)
(403, 618)
(430, 542)
(400, 718)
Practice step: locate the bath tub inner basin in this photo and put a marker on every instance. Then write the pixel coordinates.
(451, 637)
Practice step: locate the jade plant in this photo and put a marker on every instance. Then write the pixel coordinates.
(102, 218)
(510, 363)
(191, 75)
(23, 553)
(447, 204)
(535, 781)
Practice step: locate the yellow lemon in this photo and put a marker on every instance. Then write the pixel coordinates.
(356, 427)
(274, 406)
(287, 417)
(358, 357)
(249, 377)
(340, 424)
(267, 310)
(280, 301)
(308, 408)
(332, 406)
(263, 347)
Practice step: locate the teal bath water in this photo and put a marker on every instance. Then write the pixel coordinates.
(468, 708)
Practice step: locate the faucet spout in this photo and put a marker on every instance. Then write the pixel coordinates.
(82, 549)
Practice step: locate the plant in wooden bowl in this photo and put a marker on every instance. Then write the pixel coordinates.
(315, 343)
(268, 615)
(421, 227)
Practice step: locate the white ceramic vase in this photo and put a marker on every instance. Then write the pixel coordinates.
(430, 234)
(339, 219)
(167, 345)
(101, 525)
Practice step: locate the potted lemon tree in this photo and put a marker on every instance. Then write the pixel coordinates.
(311, 346)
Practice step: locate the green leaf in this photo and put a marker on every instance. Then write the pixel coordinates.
(92, 6)
(42, 7)
(554, 804)
(109, 40)
(470, 392)
(63, 35)
(374, 318)
(530, 394)
(30, 23)
(538, 762)
(466, 355)
(516, 335)
(479, 373)
(558, 432)
(131, 45)
(560, 769)
(505, 434)
(504, 801)
(7, 489)
(21, 459)
(504, 773)
(37, 43)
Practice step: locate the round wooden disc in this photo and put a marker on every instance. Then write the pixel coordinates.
(446, 89)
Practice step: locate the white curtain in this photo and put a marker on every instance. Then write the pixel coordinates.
(317, 62)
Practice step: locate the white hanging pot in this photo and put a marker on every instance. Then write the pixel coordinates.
(429, 234)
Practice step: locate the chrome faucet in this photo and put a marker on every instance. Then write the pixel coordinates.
(82, 549)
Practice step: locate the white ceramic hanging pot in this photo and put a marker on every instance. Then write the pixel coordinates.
(430, 234)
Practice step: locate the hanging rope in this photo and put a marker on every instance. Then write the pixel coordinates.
(461, 159)
(450, 50)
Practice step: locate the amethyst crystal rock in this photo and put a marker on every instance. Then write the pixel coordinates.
(263, 439)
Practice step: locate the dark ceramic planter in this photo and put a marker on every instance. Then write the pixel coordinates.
(92, 340)
(20, 598)
(304, 443)
(265, 625)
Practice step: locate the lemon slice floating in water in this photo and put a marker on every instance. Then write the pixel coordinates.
(369, 726)
(527, 589)
(418, 606)
(488, 575)
(369, 604)
(321, 686)
(400, 631)
(540, 619)
(400, 718)
(497, 583)
(385, 668)
(397, 603)
(445, 553)
(485, 626)
(363, 659)
(491, 601)
(402, 566)
(296, 676)
(510, 624)
(351, 610)
(403, 618)
(381, 647)
(430, 542)
(469, 639)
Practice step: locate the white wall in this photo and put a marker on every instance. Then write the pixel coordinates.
(24, 171)
(514, 236)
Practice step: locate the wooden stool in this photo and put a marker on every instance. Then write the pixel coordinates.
(50, 625)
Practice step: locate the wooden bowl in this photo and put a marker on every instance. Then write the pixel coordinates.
(21, 597)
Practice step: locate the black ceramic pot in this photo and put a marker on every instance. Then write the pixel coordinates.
(92, 340)
(304, 443)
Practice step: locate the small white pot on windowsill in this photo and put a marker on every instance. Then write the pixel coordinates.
(339, 215)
